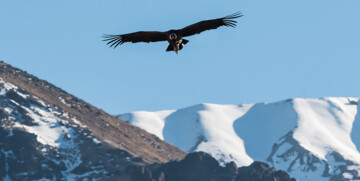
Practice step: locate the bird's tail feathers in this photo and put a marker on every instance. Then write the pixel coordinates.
(170, 48)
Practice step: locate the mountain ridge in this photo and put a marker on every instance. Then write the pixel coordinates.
(306, 137)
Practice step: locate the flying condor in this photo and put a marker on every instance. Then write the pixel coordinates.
(174, 37)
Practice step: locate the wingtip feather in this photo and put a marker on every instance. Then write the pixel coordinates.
(228, 20)
(234, 15)
(113, 40)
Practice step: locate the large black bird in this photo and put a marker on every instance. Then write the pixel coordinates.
(174, 37)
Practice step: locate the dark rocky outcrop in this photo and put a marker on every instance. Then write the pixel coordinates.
(261, 171)
(201, 166)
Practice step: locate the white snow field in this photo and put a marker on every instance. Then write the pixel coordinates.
(313, 139)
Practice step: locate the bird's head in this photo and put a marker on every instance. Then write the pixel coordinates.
(173, 36)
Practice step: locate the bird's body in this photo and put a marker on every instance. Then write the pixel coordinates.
(176, 42)
(174, 37)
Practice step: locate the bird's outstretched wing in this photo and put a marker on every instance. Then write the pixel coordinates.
(210, 24)
(140, 36)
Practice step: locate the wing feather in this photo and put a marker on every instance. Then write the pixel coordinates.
(210, 24)
(140, 36)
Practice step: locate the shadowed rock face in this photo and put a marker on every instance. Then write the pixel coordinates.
(201, 166)
(261, 171)
(22, 157)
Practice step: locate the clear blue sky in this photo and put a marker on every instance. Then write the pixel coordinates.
(280, 49)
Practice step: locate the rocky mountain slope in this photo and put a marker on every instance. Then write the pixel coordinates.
(312, 139)
(46, 133)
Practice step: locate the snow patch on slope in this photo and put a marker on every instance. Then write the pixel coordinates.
(152, 122)
(263, 125)
(222, 142)
(45, 122)
(47, 128)
(355, 134)
(325, 125)
(5, 87)
(30, 114)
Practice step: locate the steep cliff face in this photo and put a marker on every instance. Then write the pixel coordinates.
(46, 133)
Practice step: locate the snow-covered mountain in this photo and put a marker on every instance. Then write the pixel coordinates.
(312, 139)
